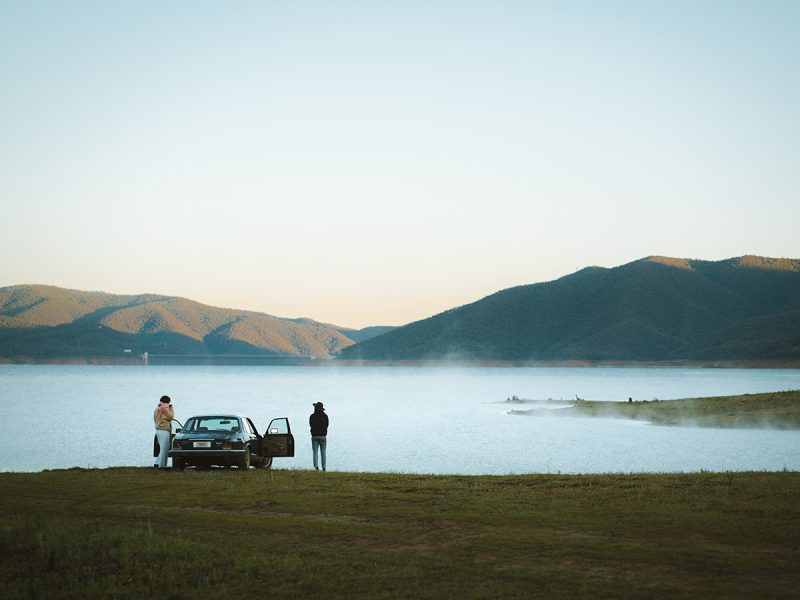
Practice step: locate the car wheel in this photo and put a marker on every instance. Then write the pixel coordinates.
(244, 462)
(266, 463)
(179, 464)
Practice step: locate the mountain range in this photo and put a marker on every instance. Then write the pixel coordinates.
(44, 322)
(653, 309)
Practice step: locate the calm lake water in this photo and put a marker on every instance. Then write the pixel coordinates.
(401, 419)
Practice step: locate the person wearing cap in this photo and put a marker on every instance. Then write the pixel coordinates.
(163, 419)
(319, 432)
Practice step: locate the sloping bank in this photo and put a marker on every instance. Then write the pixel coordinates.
(777, 410)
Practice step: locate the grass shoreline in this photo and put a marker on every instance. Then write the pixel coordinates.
(138, 532)
(774, 410)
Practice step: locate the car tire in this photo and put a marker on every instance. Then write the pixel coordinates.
(179, 464)
(266, 463)
(244, 462)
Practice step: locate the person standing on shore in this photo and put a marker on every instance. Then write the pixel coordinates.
(319, 432)
(163, 419)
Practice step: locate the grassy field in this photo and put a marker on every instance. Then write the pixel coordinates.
(136, 533)
(780, 410)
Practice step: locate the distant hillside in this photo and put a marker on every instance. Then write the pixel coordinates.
(360, 335)
(357, 335)
(656, 308)
(45, 322)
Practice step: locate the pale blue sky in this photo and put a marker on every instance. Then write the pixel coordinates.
(378, 162)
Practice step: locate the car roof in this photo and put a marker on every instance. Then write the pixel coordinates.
(217, 417)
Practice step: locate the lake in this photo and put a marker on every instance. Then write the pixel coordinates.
(395, 419)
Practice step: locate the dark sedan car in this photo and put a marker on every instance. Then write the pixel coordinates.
(230, 440)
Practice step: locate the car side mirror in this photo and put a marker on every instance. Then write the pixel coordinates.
(178, 430)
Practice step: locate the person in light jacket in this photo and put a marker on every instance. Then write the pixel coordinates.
(319, 432)
(163, 420)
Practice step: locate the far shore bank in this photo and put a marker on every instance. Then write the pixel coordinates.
(771, 410)
(304, 361)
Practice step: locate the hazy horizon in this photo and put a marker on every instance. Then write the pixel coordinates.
(376, 163)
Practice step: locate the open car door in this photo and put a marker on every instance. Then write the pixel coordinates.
(278, 439)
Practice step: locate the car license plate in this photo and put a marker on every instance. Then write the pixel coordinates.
(202, 444)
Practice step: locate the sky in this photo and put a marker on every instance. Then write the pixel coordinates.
(375, 163)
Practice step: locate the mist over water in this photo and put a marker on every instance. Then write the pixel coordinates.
(399, 419)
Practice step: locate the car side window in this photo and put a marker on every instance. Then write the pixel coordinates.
(246, 426)
(279, 426)
(251, 427)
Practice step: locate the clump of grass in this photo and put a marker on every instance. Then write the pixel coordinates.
(96, 558)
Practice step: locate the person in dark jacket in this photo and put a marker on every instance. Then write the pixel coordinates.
(319, 432)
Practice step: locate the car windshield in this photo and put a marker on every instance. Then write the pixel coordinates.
(224, 424)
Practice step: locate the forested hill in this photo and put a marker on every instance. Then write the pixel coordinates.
(656, 308)
(45, 322)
